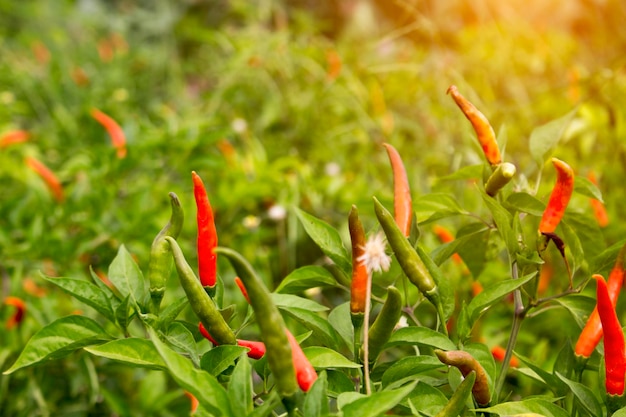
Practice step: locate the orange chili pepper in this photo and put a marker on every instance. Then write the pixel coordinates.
(242, 288)
(498, 353)
(32, 288)
(445, 236)
(12, 137)
(402, 204)
(360, 277)
(561, 194)
(51, 180)
(545, 276)
(599, 211)
(334, 64)
(118, 139)
(484, 132)
(194, 402)
(20, 309)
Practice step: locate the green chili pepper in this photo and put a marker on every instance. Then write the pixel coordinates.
(278, 350)
(456, 403)
(466, 363)
(199, 300)
(385, 322)
(499, 178)
(160, 264)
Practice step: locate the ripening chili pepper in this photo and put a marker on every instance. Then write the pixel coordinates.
(615, 362)
(200, 302)
(256, 350)
(484, 132)
(118, 138)
(455, 405)
(545, 277)
(242, 288)
(559, 198)
(498, 353)
(466, 363)
(279, 351)
(207, 236)
(333, 61)
(12, 137)
(51, 180)
(592, 332)
(599, 211)
(445, 236)
(20, 310)
(503, 174)
(360, 276)
(194, 402)
(385, 322)
(160, 264)
(31, 287)
(305, 373)
(402, 204)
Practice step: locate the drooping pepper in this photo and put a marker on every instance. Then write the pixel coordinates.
(456, 403)
(207, 236)
(256, 350)
(614, 350)
(599, 211)
(51, 180)
(160, 261)
(402, 203)
(12, 137)
(20, 310)
(360, 276)
(592, 332)
(200, 302)
(279, 351)
(559, 198)
(484, 132)
(499, 178)
(466, 363)
(118, 138)
(385, 322)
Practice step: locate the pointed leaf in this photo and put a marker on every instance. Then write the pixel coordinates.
(503, 221)
(323, 358)
(289, 300)
(434, 206)
(86, 292)
(525, 203)
(240, 387)
(493, 293)
(409, 367)
(316, 400)
(125, 274)
(305, 278)
(340, 319)
(544, 138)
(320, 327)
(132, 351)
(377, 403)
(420, 336)
(220, 358)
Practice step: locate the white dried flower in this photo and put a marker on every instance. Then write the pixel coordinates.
(239, 125)
(277, 212)
(403, 322)
(374, 257)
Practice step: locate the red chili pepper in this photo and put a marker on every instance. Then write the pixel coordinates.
(207, 235)
(545, 277)
(561, 194)
(615, 362)
(118, 139)
(20, 309)
(360, 276)
(402, 204)
(48, 176)
(599, 211)
(592, 332)
(242, 288)
(484, 132)
(256, 349)
(498, 353)
(13, 137)
(305, 373)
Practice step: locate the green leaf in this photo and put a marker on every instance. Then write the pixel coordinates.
(503, 221)
(220, 358)
(377, 403)
(169, 313)
(580, 307)
(125, 274)
(605, 260)
(316, 400)
(86, 292)
(409, 367)
(132, 351)
(426, 399)
(323, 358)
(320, 327)
(267, 408)
(532, 405)
(525, 203)
(435, 206)
(446, 250)
(338, 382)
(470, 172)
(304, 278)
(473, 250)
(340, 319)
(585, 187)
(588, 232)
(620, 413)
(124, 313)
(288, 300)
(552, 382)
(327, 238)
(59, 339)
(420, 336)
(544, 138)
(240, 387)
(493, 293)
(201, 384)
(179, 337)
(446, 292)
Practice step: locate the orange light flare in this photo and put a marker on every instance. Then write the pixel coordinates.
(20, 309)
(498, 353)
(12, 137)
(118, 138)
(49, 177)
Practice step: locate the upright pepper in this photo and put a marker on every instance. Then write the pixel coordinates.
(51, 180)
(256, 350)
(484, 132)
(20, 310)
(118, 138)
(360, 276)
(599, 211)
(614, 350)
(402, 204)
(466, 363)
(271, 323)
(385, 322)
(559, 198)
(503, 174)
(160, 260)
(207, 236)
(201, 304)
(592, 332)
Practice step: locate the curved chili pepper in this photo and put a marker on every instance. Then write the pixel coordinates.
(160, 264)
(51, 180)
(256, 350)
(279, 352)
(385, 322)
(207, 236)
(118, 138)
(457, 402)
(199, 301)
(599, 211)
(466, 363)
(360, 276)
(559, 198)
(305, 373)
(20, 310)
(13, 137)
(592, 332)
(242, 288)
(402, 204)
(484, 132)
(499, 178)
(194, 403)
(614, 349)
